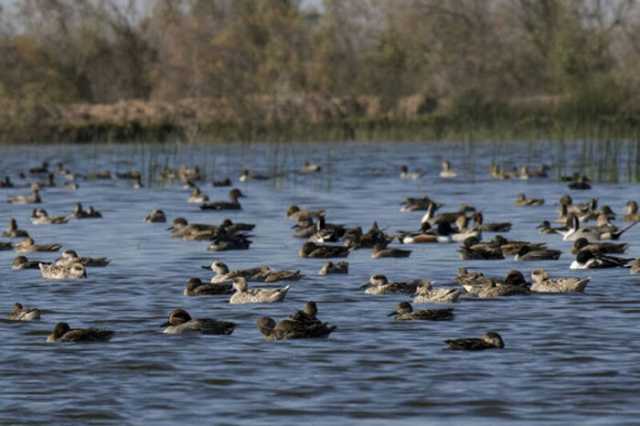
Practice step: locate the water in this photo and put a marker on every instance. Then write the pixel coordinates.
(568, 359)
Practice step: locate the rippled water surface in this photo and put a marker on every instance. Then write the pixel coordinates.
(569, 359)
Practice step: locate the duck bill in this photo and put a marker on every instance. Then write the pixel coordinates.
(392, 314)
(206, 267)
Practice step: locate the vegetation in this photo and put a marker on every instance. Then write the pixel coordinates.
(112, 69)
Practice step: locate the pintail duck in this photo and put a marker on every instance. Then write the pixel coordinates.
(41, 217)
(293, 329)
(195, 287)
(404, 312)
(6, 182)
(478, 218)
(233, 204)
(446, 217)
(20, 313)
(379, 284)
(28, 246)
(235, 227)
(528, 253)
(21, 262)
(522, 200)
(323, 251)
(598, 247)
(180, 322)
(296, 213)
(221, 183)
(477, 284)
(80, 213)
(197, 197)
(542, 283)
(603, 231)
(447, 171)
(63, 333)
(224, 241)
(59, 272)
(156, 216)
(277, 276)
(326, 234)
(407, 175)
(426, 235)
(244, 294)
(41, 169)
(180, 228)
(34, 198)
(334, 268)
(223, 274)
(588, 260)
(426, 293)
(70, 257)
(309, 167)
(447, 234)
(631, 212)
(381, 251)
(513, 247)
(473, 249)
(354, 237)
(491, 340)
(248, 175)
(411, 204)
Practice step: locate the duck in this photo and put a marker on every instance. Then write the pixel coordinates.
(323, 251)
(233, 204)
(223, 274)
(404, 312)
(244, 294)
(513, 247)
(6, 183)
(63, 333)
(498, 172)
(382, 251)
(589, 260)
(447, 171)
(542, 283)
(292, 329)
(447, 234)
(334, 268)
(248, 175)
(631, 213)
(234, 227)
(221, 183)
(277, 276)
(522, 200)
(195, 287)
(478, 218)
(490, 340)
(426, 235)
(227, 242)
(309, 167)
(477, 284)
(180, 322)
(13, 231)
(34, 198)
(447, 217)
(407, 175)
(582, 183)
(20, 313)
(635, 266)
(546, 228)
(41, 169)
(57, 272)
(186, 173)
(294, 212)
(197, 197)
(41, 217)
(70, 257)
(379, 284)
(80, 213)
(426, 293)
(181, 228)
(100, 175)
(473, 249)
(603, 231)
(326, 234)
(71, 186)
(156, 216)
(528, 253)
(28, 246)
(6, 245)
(411, 204)
(22, 262)
(598, 247)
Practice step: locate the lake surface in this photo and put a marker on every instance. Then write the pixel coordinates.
(569, 359)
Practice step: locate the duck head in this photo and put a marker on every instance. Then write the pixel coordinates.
(266, 325)
(402, 308)
(59, 330)
(494, 339)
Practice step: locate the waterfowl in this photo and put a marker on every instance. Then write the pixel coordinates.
(447, 234)
(20, 313)
(226, 242)
(41, 217)
(63, 333)
(426, 235)
(326, 234)
(59, 272)
(522, 200)
(309, 167)
(477, 284)
(99, 175)
(180, 322)
(34, 198)
(244, 294)
(276, 276)
(234, 227)
(426, 293)
(80, 213)
(588, 260)
(6, 245)
(293, 329)
(6, 182)
(598, 247)
(156, 216)
(542, 283)
(379, 284)
(334, 268)
(582, 183)
(233, 204)
(21, 262)
(381, 251)
(41, 169)
(197, 197)
(513, 247)
(528, 253)
(71, 186)
(478, 218)
(404, 312)
(248, 175)
(447, 171)
(498, 172)
(603, 231)
(28, 246)
(323, 251)
(195, 287)
(407, 175)
(411, 204)
(137, 183)
(221, 183)
(446, 217)
(491, 340)
(296, 213)
(631, 212)
(635, 266)
(473, 249)
(186, 173)
(223, 274)
(546, 228)
(70, 257)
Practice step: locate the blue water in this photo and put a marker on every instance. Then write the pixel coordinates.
(569, 359)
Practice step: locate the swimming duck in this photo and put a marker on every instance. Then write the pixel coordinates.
(58, 272)
(233, 204)
(41, 169)
(491, 340)
(447, 171)
(404, 312)
(546, 228)
(223, 274)
(513, 247)
(21, 262)
(598, 247)
(34, 198)
(6, 182)
(296, 213)
(522, 200)
(276, 276)
(379, 284)
(407, 175)
(41, 217)
(323, 251)
(334, 268)
(426, 293)
(180, 322)
(478, 218)
(244, 294)
(186, 173)
(235, 227)
(603, 231)
(70, 257)
(426, 235)
(197, 197)
(156, 216)
(221, 183)
(226, 242)
(447, 217)
(528, 253)
(631, 212)
(473, 249)
(20, 313)
(309, 167)
(180, 228)
(542, 283)
(292, 329)
(248, 175)
(6, 245)
(588, 260)
(326, 234)
(382, 251)
(63, 333)
(195, 287)
(411, 204)
(477, 284)
(80, 213)
(582, 183)
(635, 266)
(28, 246)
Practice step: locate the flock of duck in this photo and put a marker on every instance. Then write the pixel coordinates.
(594, 247)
